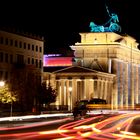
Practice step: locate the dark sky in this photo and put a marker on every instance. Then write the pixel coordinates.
(60, 22)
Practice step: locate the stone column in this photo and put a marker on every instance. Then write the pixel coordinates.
(91, 89)
(52, 80)
(102, 89)
(105, 90)
(74, 92)
(95, 89)
(58, 86)
(85, 89)
(137, 86)
(65, 93)
(110, 95)
(98, 88)
(81, 86)
(62, 91)
(132, 86)
(115, 94)
(126, 85)
(68, 94)
(121, 84)
(78, 90)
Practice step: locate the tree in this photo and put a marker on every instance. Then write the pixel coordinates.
(48, 94)
(6, 95)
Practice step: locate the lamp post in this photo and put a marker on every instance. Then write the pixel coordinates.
(70, 91)
(11, 109)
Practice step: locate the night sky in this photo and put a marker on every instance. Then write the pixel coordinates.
(60, 22)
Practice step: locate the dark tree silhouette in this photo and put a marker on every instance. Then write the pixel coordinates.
(48, 94)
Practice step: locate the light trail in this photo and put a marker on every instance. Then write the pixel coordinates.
(20, 118)
(98, 127)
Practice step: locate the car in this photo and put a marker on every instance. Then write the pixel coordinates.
(134, 127)
(80, 109)
(97, 103)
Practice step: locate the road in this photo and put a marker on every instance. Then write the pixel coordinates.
(118, 126)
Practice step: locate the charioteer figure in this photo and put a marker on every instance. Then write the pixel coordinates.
(112, 22)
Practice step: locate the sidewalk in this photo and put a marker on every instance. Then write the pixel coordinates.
(31, 119)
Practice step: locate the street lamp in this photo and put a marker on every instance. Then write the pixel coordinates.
(70, 90)
(2, 83)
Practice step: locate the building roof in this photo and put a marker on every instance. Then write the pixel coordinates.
(75, 69)
(82, 72)
(22, 33)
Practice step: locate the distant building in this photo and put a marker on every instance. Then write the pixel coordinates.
(56, 60)
(52, 62)
(20, 49)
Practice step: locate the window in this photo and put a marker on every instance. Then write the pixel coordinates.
(11, 42)
(32, 60)
(16, 43)
(24, 45)
(40, 64)
(6, 41)
(28, 46)
(40, 49)
(1, 40)
(28, 60)
(11, 58)
(20, 59)
(1, 74)
(20, 44)
(6, 57)
(6, 75)
(36, 63)
(32, 47)
(36, 48)
(1, 56)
